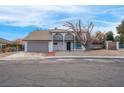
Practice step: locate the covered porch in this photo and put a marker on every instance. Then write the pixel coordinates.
(65, 42)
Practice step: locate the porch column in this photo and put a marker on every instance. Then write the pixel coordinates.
(74, 42)
(63, 34)
(52, 41)
(51, 46)
(117, 45)
(26, 46)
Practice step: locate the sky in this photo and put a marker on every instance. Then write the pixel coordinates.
(18, 21)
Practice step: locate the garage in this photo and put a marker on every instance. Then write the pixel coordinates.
(38, 41)
(37, 46)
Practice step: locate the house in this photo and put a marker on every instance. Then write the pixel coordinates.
(4, 42)
(51, 40)
(19, 41)
(18, 45)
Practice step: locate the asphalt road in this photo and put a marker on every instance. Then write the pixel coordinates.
(62, 73)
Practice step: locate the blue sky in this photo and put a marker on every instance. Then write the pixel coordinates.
(18, 21)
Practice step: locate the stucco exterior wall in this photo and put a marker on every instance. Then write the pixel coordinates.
(57, 46)
(60, 46)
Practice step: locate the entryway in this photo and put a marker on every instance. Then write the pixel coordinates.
(69, 46)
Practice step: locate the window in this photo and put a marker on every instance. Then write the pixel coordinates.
(68, 37)
(54, 43)
(58, 37)
(78, 46)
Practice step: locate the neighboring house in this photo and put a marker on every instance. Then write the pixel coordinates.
(18, 45)
(51, 40)
(4, 42)
(19, 41)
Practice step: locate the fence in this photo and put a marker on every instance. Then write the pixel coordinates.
(112, 45)
(97, 46)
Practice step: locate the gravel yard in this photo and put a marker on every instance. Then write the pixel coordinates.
(102, 52)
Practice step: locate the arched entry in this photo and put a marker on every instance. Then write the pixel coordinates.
(69, 38)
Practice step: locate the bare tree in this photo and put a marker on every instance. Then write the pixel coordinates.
(82, 34)
(99, 37)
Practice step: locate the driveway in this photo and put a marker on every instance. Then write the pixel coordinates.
(62, 73)
(6, 54)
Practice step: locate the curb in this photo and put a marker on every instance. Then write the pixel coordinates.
(85, 57)
(63, 57)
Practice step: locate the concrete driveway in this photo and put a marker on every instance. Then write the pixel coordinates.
(62, 73)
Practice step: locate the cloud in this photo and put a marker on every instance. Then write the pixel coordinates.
(55, 16)
(35, 15)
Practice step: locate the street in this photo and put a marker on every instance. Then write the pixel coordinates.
(62, 73)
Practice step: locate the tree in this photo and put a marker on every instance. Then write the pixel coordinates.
(120, 28)
(121, 39)
(99, 37)
(83, 35)
(117, 38)
(109, 36)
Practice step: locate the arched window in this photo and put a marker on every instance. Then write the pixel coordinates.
(69, 37)
(58, 36)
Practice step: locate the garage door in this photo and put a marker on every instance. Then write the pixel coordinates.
(37, 46)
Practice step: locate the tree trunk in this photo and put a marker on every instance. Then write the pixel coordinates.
(87, 47)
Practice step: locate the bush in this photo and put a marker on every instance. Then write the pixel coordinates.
(7, 49)
(122, 39)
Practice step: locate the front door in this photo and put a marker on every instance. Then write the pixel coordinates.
(69, 46)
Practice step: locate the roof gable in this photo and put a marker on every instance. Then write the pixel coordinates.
(39, 35)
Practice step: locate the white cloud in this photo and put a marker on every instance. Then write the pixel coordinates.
(34, 15)
(43, 16)
(108, 23)
(110, 27)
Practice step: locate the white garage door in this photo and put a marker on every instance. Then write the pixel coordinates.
(37, 46)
